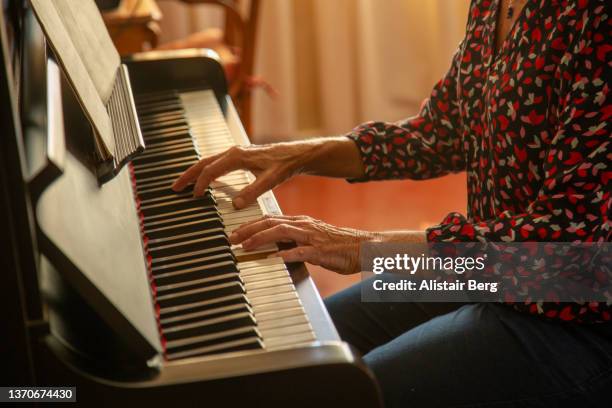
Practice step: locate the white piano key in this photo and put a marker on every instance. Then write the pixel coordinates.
(268, 283)
(272, 299)
(280, 334)
(261, 262)
(264, 276)
(266, 326)
(263, 250)
(274, 308)
(276, 290)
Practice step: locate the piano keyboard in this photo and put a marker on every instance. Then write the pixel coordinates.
(210, 297)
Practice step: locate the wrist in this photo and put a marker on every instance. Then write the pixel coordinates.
(409, 237)
(332, 157)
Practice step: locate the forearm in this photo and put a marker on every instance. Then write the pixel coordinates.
(402, 236)
(331, 157)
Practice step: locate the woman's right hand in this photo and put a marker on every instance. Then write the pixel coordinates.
(273, 164)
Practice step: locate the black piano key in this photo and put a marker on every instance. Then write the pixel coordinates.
(205, 202)
(193, 316)
(180, 134)
(156, 138)
(201, 294)
(196, 275)
(183, 243)
(173, 116)
(186, 260)
(190, 282)
(162, 124)
(161, 100)
(185, 153)
(169, 216)
(224, 342)
(180, 217)
(158, 107)
(190, 258)
(166, 145)
(147, 194)
(182, 157)
(172, 311)
(146, 182)
(174, 248)
(210, 326)
(184, 228)
(212, 233)
(166, 194)
(155, 118)
(252, 343)
(163, 168)
(142, 98)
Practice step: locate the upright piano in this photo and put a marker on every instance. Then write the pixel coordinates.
(116, 285)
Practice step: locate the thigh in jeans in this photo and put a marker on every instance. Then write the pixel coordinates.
(369, 325)
(489, 355)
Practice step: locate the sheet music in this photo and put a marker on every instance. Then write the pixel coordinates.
(77, 34)
(91, 39)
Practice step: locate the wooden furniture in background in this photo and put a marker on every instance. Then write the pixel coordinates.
(235, 44)
(134, 25)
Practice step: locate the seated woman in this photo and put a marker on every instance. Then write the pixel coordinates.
(525, 110)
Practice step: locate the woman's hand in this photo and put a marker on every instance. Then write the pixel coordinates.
(273, 164)
(318, 243)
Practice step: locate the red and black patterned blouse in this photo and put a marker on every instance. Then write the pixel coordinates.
(530, 126)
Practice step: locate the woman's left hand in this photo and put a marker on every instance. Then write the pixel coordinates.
(318, 243)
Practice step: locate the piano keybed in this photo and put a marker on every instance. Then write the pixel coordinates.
(210, 297)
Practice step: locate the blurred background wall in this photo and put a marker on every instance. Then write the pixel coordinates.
(335, 64)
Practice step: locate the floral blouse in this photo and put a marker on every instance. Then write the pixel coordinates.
(530, 126)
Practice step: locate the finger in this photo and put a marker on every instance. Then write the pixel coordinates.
(249, 228)
(223, 165)
(279, 217)
(191, 174)
(188, 176)
(337, 258)
(249, 194)
(278, 233)
(300, 254)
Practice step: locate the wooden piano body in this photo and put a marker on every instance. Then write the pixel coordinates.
(65, 236)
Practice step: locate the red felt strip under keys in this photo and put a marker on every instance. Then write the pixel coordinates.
(148, 260)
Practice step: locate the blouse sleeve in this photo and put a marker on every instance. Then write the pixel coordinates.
(425, 146)
(574, 202)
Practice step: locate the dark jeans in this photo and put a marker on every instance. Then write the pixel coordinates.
(485, 355)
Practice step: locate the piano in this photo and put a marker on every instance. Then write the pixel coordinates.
(126, 290)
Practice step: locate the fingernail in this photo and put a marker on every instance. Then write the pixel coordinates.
(174, 186)
(233, 238)
(238, 203)
(247, 244)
